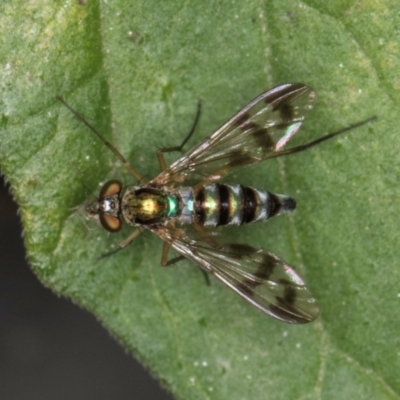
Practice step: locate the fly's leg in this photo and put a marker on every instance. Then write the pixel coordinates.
(205, 236)
(160, 152)
(164, 257)
(124, 243)
(130, 238)
(166, 263)
(167, 247)
(125, 163)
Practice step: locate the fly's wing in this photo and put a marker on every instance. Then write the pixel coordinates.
(254, 134)
(258, 276)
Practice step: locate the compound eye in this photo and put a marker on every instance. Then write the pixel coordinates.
(110, 223)
(110, 188)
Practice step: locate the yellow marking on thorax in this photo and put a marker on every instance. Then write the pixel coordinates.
(150, 206)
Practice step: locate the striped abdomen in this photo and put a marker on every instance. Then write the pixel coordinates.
(220, 204)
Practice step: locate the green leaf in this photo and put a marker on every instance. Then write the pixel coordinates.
(135, 70)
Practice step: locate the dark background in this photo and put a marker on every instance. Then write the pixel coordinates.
(50, 348)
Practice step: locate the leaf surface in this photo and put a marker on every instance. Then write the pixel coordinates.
(135, 71)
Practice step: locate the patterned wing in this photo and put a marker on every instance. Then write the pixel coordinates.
(258, 276)
(254, 134)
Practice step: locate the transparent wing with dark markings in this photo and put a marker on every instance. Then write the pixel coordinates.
(256, 132)
(260, 277)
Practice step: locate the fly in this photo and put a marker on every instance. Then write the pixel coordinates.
(184, 216)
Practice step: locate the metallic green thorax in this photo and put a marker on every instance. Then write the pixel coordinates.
(148, 206)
